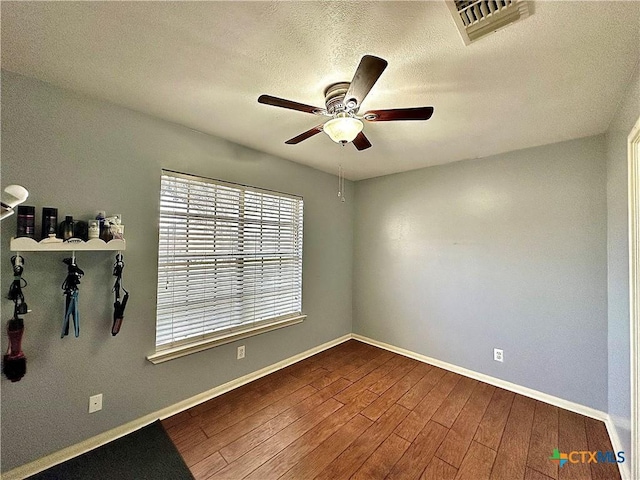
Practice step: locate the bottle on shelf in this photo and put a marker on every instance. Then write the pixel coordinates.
(66, 228)
(26, 221)
(94, 229)
(49, 222)
(81, 230)
(105, 232)
(100, 218)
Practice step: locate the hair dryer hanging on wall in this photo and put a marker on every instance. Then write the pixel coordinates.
(14, 364)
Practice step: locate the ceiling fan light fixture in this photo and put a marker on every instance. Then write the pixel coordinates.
(343, 128)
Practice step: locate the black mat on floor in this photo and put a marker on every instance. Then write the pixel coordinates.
(147, 453)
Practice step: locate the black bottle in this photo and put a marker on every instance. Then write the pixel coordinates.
(66, 228)
(81, 230)
(49, 221)
(26, 221)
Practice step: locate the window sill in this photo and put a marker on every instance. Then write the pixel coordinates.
(182, 350)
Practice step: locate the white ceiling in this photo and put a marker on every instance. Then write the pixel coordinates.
(556, 75)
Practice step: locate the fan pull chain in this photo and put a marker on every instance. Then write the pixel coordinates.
(341, 183)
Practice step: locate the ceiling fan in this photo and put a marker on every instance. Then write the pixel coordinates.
(343, 100)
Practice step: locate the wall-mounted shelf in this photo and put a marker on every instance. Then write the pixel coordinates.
(25, 244)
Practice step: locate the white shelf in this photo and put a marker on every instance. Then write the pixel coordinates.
(25, 244)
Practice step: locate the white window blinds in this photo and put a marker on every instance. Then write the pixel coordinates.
(230, 258)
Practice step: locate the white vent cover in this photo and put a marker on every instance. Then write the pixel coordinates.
(477, 18)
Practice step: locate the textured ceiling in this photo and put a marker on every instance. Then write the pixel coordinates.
(556, 75)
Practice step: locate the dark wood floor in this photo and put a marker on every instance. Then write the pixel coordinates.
(360, 412)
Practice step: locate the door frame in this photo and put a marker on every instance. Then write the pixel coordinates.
(633, 149)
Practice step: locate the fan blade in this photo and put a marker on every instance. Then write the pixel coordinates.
(281, 102)
(361, 142)
(305, 135)
(366, 76)
(415, 113)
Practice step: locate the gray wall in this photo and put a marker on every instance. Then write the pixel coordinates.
(507, 251)
(82, 155)
(618, 251)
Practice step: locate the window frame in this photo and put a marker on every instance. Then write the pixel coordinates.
(252, 274)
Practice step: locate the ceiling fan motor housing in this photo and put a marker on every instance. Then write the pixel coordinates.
(334, 98)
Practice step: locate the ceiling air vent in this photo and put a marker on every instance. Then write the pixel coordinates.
(477, 18)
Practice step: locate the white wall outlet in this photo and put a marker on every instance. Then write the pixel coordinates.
(95, 403)
(240, 352)
(498, 355)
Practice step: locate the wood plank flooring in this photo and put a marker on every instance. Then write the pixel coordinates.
(359, 412)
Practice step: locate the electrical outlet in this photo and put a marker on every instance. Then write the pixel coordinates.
(95, 403)
(240, 352)
(498, 355)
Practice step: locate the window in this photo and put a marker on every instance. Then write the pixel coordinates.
(229, 262)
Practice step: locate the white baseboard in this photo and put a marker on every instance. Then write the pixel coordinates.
(72, 451)
(625, 467)
(512, 387)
